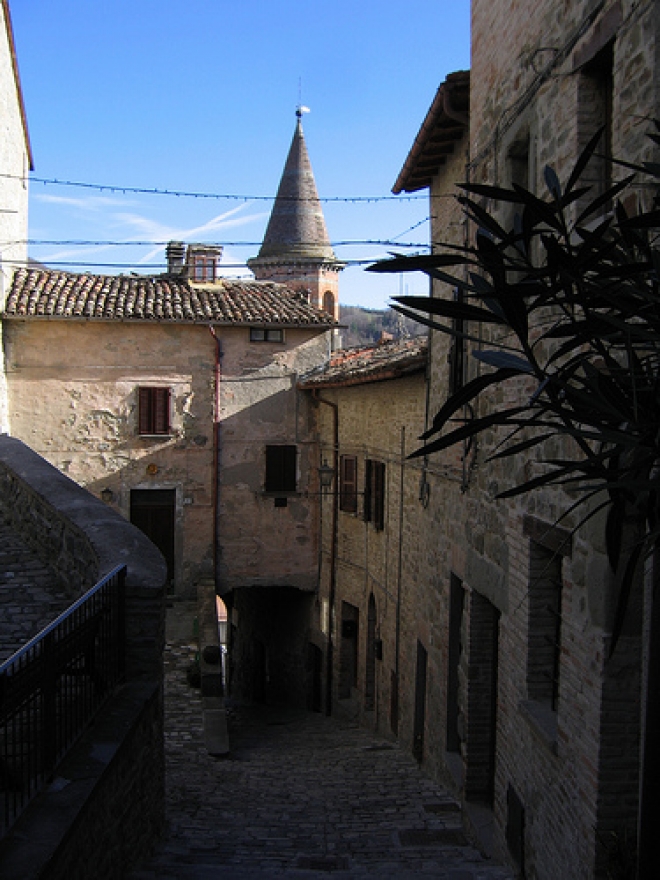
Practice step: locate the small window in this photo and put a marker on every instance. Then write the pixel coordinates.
(374, 493)
(154, 410)
(348, 496)
(544, 639)
(204, 268)
(259, 334)
(281, 464)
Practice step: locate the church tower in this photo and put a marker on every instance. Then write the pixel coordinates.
(296, 249)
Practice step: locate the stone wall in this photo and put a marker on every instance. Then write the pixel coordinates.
(106, 807)
(73, 397)
(378, 572)
(554, 765)
(266, 539)
(54, 538)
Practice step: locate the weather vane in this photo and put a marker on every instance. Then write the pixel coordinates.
(300, 109)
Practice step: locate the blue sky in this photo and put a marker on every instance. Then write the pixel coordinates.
(200, 97)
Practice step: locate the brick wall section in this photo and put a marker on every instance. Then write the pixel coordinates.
(527, 83)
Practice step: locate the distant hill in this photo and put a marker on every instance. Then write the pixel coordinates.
(365, 326)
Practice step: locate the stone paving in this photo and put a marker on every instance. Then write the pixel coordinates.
(300, 795)
(29, 595)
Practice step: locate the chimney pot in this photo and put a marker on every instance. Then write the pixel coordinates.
(175, 253)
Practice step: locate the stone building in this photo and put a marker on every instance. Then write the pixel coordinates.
(531, 717)
(15, 163)
(174, 399)
(369, 405)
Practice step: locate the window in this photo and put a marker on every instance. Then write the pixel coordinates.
(281, 464)
(329, 303)
(154, 410)
(543, 650)
(595, 112)
(348, 649)
(259, 334)
(348, 496)
(515, 828)
(374, 493)
(204, 268)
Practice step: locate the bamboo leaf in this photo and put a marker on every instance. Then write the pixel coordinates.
(464, 396)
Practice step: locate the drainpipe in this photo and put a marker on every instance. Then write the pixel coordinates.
(397, 632)
(216, 450)
(333, 550)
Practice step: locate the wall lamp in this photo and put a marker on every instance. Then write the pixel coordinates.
(107, 495)
(326, 475)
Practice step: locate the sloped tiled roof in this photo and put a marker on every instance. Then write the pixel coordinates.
(357, 366)
(39, 293)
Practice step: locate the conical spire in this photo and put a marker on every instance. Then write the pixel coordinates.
(296, 229)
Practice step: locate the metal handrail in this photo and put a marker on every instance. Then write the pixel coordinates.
(51, 688)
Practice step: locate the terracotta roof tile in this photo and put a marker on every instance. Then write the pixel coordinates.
(355, 366)
(39, 293)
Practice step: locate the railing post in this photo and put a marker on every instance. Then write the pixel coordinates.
(121, 623)
(49, 733)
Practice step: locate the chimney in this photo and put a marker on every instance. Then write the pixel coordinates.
(175, 253)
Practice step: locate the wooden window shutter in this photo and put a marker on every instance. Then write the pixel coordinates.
(379, 495)
(144, 411)
(368, 493)
(161, 410)
(153, 410)
(348, 483)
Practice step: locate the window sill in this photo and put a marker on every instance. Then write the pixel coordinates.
(542, 720)
(167, 436)
(285, 493)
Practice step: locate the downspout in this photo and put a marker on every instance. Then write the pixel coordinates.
(397, 641)
(333, 550)
(215, 494)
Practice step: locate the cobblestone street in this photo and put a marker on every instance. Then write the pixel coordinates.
(300, 794)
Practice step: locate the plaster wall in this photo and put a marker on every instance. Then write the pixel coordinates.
(263, 544)
(73, 390)
(14, 167)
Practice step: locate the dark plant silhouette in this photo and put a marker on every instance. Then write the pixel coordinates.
(573, 307)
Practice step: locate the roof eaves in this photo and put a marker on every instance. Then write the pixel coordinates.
(444, 124)
(363, 378)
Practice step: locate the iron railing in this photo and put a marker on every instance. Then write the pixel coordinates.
(51, 688)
